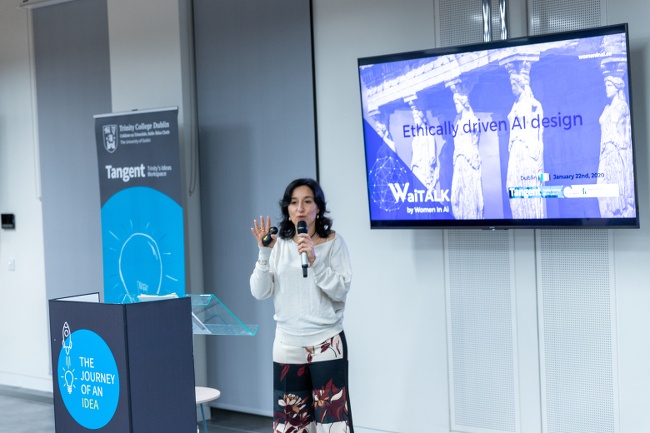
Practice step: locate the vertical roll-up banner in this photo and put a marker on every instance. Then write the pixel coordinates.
(141, 205)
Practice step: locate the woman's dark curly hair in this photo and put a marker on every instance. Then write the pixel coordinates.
(323, 223)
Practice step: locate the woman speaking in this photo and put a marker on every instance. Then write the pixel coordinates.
(307, 272)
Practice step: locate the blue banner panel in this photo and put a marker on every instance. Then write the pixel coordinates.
(143, 241)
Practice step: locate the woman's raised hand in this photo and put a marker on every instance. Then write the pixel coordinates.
(261, 229)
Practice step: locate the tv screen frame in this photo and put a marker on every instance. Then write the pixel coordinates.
(551, 145)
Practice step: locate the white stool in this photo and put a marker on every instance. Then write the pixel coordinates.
(204, 395)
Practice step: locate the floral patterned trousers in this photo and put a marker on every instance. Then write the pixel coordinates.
(310, 388)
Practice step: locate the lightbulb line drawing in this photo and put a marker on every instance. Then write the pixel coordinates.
(68, 378)
(140, 266)
(144, 248)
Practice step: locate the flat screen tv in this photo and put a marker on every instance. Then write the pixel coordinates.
(532, 132)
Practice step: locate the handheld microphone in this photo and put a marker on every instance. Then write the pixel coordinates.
(302, 228)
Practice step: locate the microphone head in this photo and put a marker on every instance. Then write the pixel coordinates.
(302, 227)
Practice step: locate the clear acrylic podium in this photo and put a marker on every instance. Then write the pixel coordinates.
(210, 316)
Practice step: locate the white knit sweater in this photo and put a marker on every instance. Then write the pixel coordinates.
(307, 310)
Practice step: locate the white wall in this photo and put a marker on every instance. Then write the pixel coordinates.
(395, 317)
(395, 320)
(24, 357)
(150, 39)
(632, 248)
(152, 67)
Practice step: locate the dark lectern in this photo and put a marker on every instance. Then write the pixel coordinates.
(122, 368)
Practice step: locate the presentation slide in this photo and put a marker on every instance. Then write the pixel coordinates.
(533, 131)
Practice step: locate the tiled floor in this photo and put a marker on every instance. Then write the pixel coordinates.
(28, 414)
(32, 412)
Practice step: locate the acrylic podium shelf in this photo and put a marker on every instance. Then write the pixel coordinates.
(210, 316)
